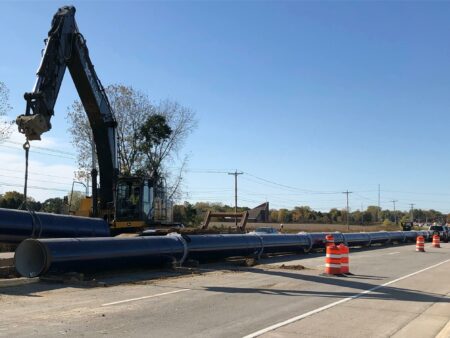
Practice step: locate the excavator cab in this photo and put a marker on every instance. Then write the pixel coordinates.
(134, 200)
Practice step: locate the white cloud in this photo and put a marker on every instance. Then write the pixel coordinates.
(48, 141)
(51, 167)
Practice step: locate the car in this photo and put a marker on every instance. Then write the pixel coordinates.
(266, 230)
(447, 230)
(441, 230)
(407, 226)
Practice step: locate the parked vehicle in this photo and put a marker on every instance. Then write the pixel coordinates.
(407, 226)
(441, 230)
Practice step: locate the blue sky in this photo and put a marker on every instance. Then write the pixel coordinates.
(315, 97)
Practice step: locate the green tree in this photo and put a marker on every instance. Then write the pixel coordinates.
(14, 200)
(185, 214)
(134, 111)
(54, 205)
(375, 212)
(11, 200)
(151, 134)
(335, 215)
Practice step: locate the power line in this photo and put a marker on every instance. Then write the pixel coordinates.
(43, 148)
(306, 191)
(35, 180)
(35, 173)
(40, 152)
(33, 187)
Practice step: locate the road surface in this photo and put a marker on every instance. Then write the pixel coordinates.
(394, 291)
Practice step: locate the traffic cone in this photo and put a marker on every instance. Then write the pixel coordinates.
(333, 260)
(420, 244)
(329, 240)
(436, 241)
(344, 250)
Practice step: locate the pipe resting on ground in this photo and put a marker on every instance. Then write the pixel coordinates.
(35, 257)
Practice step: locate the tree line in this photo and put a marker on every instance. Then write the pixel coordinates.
(193, 214)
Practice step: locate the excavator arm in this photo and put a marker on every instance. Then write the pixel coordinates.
(66, 48)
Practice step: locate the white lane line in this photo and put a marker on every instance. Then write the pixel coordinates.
(394, 253)
(145, 297)
(320, 309)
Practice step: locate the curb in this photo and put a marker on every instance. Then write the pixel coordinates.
(445, 332)
(17, 282)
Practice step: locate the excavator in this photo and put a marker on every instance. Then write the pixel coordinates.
(127, 203)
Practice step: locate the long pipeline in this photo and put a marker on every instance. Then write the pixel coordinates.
(17, 225)
(35, 257)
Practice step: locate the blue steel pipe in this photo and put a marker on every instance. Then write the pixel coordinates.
(357, 239)
(35, 257)
(17, 225)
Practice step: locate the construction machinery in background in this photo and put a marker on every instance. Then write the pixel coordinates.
(126, 203)
(243, 216)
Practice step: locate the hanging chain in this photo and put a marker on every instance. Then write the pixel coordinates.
(26, 147)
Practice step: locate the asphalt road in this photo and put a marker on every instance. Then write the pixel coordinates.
(394, 292)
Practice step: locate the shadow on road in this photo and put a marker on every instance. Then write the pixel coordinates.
(382, 293)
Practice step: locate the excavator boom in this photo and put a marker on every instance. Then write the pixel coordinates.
(66, 48)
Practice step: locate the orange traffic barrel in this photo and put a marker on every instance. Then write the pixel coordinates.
(333, 260)
(420, 244)
(436, 241)
(329, 240)
(344, 250)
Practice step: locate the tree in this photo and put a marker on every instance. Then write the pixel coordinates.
(185, 214)
(182, 123)
(374, 212)
(284, 216)
(5, 126)
(54, 205)
(303, 214)
(152, 133)
(335, 215)
(273, 215)
(14, 200)
(135, 114)
(11, 200)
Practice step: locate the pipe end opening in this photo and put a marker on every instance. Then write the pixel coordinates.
(30, 258)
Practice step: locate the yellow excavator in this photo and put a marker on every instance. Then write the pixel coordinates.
(127, 203)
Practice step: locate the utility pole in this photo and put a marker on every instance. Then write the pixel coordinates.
(347, 192)
(412, 211)
(362, 214)
(235, 174)
(379, 207)
(395, 214)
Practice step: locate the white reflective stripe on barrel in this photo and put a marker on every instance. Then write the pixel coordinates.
(328, 265)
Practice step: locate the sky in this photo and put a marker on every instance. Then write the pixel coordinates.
(307, 99)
